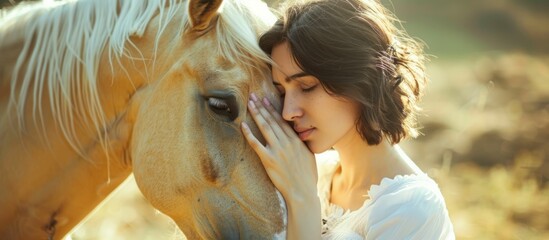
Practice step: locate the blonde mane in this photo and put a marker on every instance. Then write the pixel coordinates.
(63, 42)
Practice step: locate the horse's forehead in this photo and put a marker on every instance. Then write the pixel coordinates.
(216, 71)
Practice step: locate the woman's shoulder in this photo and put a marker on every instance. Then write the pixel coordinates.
(411, 204)
(414, 192)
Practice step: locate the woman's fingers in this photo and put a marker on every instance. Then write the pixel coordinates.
(252, 140)
(264, 127)
(264, 153)
(266, 121)
(278, 118)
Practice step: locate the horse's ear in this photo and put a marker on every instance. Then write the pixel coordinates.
(202, 12)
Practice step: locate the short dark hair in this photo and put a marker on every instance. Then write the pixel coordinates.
(355, 50)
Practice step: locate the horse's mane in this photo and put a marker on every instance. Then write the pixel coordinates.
(63, 43)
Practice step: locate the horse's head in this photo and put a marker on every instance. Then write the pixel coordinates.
(190, 158)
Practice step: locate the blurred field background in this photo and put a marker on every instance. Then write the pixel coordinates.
(485, 123)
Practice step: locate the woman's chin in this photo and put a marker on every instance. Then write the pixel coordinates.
(315, 148)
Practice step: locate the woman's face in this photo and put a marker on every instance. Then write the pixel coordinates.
(320, 120)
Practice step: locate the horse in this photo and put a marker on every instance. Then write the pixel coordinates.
(92, 91)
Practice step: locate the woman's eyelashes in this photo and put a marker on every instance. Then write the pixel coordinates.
(305, 88)
(308, 88)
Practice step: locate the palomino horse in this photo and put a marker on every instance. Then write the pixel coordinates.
(94, 90)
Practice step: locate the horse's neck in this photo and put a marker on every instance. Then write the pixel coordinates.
(10, 47)
(47, 187)
(13, 35)
(10, 52)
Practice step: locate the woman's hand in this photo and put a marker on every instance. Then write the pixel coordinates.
(291, 167)
(287, 160)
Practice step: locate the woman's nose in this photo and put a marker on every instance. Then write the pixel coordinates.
(291, 109)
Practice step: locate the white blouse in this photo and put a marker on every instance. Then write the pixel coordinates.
(405, 207)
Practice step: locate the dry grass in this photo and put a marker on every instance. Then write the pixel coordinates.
(495, 203)
(127, 215)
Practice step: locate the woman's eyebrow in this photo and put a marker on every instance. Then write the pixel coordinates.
(297, 75)
(292, 77)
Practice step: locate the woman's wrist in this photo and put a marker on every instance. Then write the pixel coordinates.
(304, 218)
(309, 210)
(300, 194)
(304, 200)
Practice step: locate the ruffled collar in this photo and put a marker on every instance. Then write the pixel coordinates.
(376, 190)
(386, 183)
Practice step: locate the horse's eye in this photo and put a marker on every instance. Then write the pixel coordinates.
(224, 106)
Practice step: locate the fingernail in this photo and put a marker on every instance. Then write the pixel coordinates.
(254, 97)
(251, 104)
(266, 101)
(244, 125)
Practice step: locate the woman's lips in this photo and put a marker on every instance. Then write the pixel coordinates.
(305, 134)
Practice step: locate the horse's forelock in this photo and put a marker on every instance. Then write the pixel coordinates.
(239, 25)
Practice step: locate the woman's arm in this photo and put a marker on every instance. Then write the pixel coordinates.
(291, 167)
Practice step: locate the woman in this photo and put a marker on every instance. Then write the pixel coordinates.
(351, 81)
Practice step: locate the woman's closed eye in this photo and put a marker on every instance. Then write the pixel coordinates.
(309, 88)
